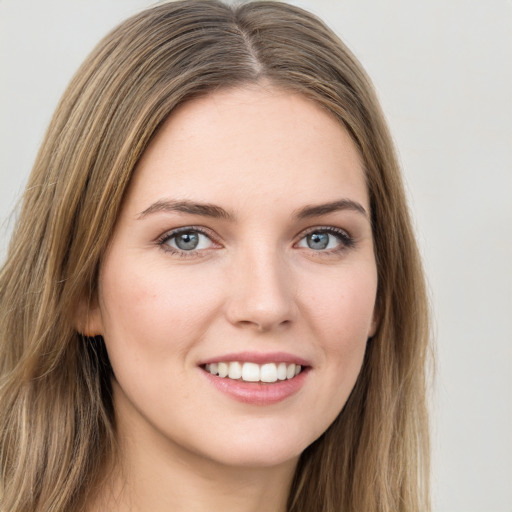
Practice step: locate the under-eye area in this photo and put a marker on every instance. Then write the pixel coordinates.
(254, 372)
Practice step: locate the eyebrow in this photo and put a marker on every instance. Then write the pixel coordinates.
(190, 207)
(217, 212)
(324, 209)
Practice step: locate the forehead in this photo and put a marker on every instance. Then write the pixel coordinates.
(251, 141)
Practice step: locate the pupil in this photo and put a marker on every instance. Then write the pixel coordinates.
(318, 240)
(187, 241)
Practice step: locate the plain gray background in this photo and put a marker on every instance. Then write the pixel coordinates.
(444, 76)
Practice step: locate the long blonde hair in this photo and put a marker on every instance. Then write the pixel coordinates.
(57, 426)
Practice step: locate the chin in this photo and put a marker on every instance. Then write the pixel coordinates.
(256, 457)
(262, 446)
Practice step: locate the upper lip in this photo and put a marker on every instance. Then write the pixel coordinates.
(258, 358)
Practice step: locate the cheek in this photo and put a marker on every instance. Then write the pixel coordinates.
(341, 314)
(342, 307)
(149, 308)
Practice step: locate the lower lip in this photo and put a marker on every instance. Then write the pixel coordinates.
(258, 393)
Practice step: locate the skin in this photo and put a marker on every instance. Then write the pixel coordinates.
(254, 284)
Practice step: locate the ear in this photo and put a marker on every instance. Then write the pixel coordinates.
(375, 322)
(88, 319)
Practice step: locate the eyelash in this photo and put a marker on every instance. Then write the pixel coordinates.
(346, 240)
(162, 241)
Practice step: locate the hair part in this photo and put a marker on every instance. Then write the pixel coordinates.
(57, 429)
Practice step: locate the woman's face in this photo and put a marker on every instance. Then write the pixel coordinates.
(244, 247)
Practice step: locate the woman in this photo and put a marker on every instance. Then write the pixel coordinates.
(213, 298)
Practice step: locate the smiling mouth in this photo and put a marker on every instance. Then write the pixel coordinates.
(253, 372)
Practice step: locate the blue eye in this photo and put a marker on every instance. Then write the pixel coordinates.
(318, 241)
(187, 240)
(326, 239)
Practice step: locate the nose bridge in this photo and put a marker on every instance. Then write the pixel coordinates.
(261, 288)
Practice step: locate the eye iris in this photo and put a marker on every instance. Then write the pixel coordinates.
(187, 241)
(318, 241)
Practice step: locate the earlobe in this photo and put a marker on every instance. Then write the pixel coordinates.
(373, 329)
(374, 323)
(88, 321)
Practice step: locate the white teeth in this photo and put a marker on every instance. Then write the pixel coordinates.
(290, 371)
(281, 371)
(250, 372)
(235, 370)
(223, 369)
(253, 372)
(268, 372)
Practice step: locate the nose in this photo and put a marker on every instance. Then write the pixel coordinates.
(262, 291)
